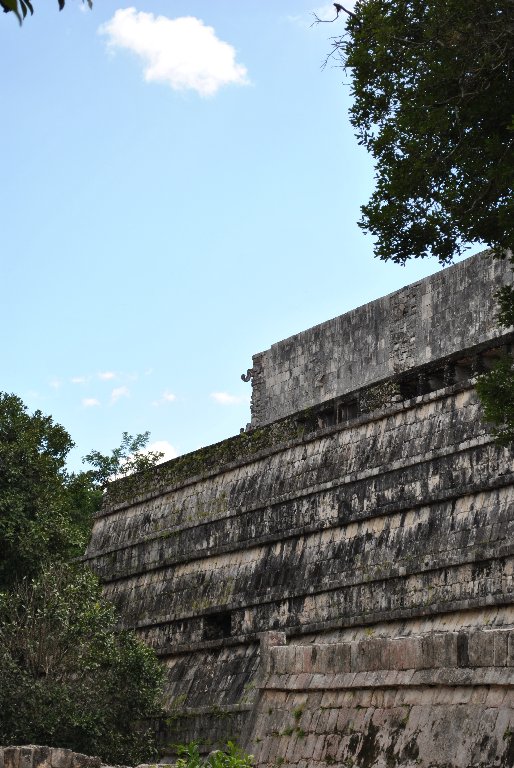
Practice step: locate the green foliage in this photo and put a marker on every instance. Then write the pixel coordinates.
(21, 7)
(496, 392)
(505, 298)
(44, 512)
(129, 459)
(230, 757)
(67, 677)
(433, 86)
(496, 388)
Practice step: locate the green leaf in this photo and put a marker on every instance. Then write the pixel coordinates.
(12, 5)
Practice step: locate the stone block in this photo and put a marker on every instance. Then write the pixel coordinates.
(319, 748)
(304, 657)
(84, 761)
(501, 654)
(370, 655)
(440, 650)
(310, 745)
(41, 757)
(11, 757)
(495, 697)
(26, 757)
(481, 649)
(303, 681)
(341, 660)
(405, 653)
(283, 659)
(61, 758)
(510, 649)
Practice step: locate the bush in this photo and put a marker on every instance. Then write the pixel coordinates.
(230, 757)
(68, 677)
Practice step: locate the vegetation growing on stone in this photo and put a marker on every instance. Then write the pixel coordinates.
(229, 757)
(209, 459)
(496, 391)
(379, 396)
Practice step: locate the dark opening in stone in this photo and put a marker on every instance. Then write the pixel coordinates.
(217, 626)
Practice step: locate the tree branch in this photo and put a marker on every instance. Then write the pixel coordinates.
(338, 8)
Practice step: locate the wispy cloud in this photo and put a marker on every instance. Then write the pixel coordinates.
(183, 53)
(106, 375)
(224, 398)
(166, 397)
(119, 392)
(55, 383)
(79, 379)
(90, 402)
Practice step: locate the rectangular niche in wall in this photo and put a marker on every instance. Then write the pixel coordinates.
(216, 626)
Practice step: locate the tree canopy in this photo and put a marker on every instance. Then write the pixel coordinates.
(67, 677)
(433, 87)
(45, 512)
(21, 8)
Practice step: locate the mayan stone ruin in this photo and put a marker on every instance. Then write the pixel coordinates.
(334, 586)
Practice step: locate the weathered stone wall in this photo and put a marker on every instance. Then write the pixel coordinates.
(426, 321)
(403, 513)
(427, 699)
(387, 516)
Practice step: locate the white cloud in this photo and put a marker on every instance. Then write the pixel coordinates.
(55, 383)
(184, 53)
(78, 379)
(162, 446)
(224, 398)
(90, 402)
(167, 397)
(119, 392)
(106, 375)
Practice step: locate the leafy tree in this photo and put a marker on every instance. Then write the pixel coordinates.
(67, 677)
(44, 511)
(433, 87)
(21, 7)
(128, 459)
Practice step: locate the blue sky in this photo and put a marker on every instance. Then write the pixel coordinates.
(180, 189)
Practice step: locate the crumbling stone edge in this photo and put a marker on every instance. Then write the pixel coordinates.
(35, 756)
